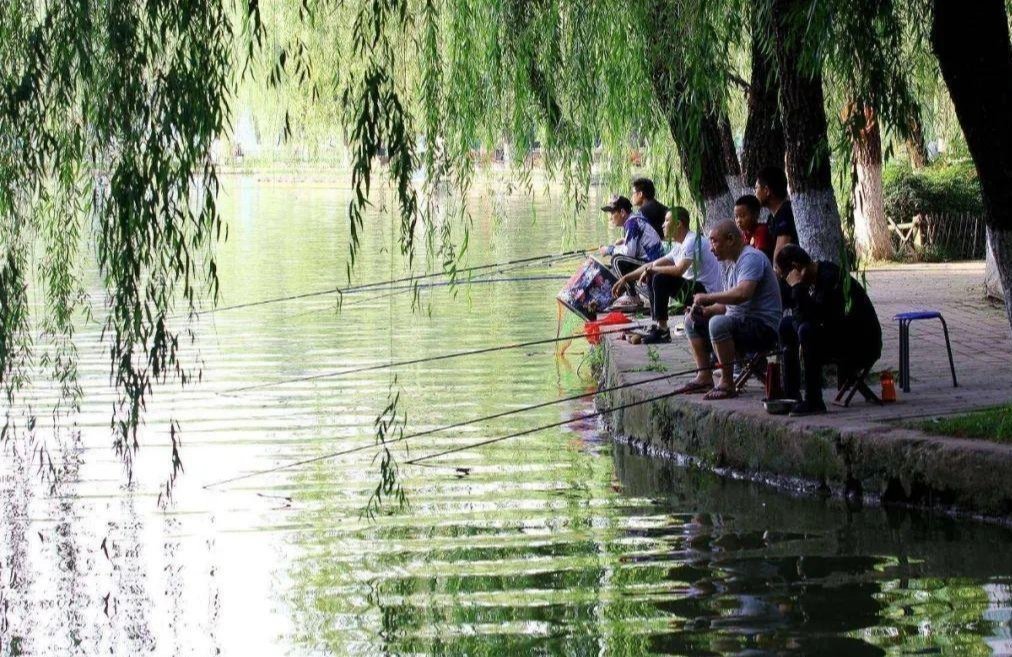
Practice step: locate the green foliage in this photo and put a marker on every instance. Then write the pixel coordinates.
(389, 424)
(654, 361)
(939, 189)
(108, 111)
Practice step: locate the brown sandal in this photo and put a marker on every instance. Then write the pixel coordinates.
(718, 394)
(691, 387)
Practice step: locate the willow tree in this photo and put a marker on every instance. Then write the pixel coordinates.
(868, 71)
(763, 140)
(108, 111)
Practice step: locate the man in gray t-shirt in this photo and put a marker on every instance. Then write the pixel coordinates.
(742, 319)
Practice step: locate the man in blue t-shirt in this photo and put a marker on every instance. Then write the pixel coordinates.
(639, 244)
(741, 319)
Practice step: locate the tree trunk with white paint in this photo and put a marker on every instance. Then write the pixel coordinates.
(804, 117)
(971, 41)
(871, 228)
(992, 281)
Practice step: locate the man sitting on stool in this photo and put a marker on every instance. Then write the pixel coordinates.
(689, 268)
(639, 244)
(832, 319)
(740, 320)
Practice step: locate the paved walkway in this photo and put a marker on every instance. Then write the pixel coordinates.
(979, 331)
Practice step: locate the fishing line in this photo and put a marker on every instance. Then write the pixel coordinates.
(458, 425)
(415, 361)
(368, 286)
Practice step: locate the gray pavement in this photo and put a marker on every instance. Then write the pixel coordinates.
(981, 343)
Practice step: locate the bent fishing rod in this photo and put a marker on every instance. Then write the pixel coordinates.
(464, 423)
(368, 286)
(415, 361)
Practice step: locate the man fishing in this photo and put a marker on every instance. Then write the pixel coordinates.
(689, 268)
(741, 319)
(639, 244)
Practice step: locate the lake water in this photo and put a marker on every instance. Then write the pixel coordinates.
(557, 542)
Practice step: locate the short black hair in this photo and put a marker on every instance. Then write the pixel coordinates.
(790, 256)
(646, 186)
(679, 214)
(775, 179)
(751, 202)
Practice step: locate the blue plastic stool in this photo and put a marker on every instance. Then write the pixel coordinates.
(905, 320)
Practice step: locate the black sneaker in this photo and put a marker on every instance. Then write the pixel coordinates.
(806, 407)
(656, 335)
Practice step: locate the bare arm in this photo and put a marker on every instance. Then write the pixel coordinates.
(677, 269)
(637, 273)
(782, 241)
(738, 294)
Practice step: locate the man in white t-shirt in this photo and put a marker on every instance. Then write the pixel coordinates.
(688, 269)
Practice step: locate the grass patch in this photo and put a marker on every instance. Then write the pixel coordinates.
(993, 424)
(655, 364)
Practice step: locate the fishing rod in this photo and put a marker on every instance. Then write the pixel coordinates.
(585, 416)
(415, 361)
(369, 286)
(395, 291)
(458, 425)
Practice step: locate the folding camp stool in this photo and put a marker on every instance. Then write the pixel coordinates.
(905, 319)
(755, 365)
(852, 383)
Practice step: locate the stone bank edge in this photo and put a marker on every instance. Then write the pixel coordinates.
(873, 462)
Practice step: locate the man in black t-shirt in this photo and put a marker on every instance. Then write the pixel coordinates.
(643, 193)
(771, 190)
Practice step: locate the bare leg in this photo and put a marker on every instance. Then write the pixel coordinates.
(704, 375)
(725, 355)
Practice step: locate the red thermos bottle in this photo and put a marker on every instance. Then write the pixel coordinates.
(773, 390)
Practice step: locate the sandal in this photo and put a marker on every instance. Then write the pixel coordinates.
(718, 394)
(691, 387)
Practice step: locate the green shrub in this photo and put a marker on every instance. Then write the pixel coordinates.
(937, 190)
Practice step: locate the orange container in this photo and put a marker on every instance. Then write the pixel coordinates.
(888, 387)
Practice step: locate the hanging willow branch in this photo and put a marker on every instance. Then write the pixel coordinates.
(108, 112)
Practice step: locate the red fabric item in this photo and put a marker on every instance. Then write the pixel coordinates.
(593, 329)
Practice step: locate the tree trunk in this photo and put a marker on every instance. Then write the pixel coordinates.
(731, 162)
(694, 122)
(703, 161)
(916, 149)
(763, 144)
(971, 41)
(804, 116)
(871, 229)
(992, 281)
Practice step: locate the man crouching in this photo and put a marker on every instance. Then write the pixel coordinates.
(742, 319)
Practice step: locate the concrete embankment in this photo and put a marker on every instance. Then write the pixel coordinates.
(860, 452)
